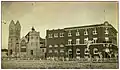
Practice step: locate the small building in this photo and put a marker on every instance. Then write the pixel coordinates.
(4, 53)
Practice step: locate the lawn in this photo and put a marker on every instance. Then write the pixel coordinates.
(47, 64)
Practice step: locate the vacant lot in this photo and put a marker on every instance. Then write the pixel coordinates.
(42, 64)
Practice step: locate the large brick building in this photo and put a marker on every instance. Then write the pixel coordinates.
(72, 42)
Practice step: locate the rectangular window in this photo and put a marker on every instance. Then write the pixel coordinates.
(69, 34)
(106, 38)
(61, 34)
(50, 51)
(77, 57)
(49, 35)
(69, 51)
(94, 40)
(77, 33)
(85, 32)
(77, 41)
(31, 52)
(85, 40)
(50, 45)
(106, 30)
(95, 51)
(69, 41)
(77, 51)
(56, 51)
(55, 45)
(56, 35)
(94, 32)
(61, 51)
(61, 45)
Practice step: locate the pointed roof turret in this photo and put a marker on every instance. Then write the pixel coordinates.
(12, 24)
(18, 24)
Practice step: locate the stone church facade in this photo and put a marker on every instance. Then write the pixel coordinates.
(14, 39)
(27, 47)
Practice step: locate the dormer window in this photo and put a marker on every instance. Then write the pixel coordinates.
(56, 35)
(85, 32)
(94, 32)
(77, 33)
(106, 30)
(69, 34)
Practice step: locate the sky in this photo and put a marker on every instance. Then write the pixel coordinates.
(53, 15)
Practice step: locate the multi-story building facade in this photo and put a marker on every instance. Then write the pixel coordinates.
(33, 44)
(75, 41)
(55, 43)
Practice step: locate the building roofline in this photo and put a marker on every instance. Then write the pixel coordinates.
(102, 24)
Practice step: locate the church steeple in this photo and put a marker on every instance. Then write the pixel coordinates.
(18, 26)
(11, 25)
(14, 37)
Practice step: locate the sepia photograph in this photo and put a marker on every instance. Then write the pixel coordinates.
(59, 35)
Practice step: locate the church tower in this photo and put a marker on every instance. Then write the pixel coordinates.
(14, 38)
